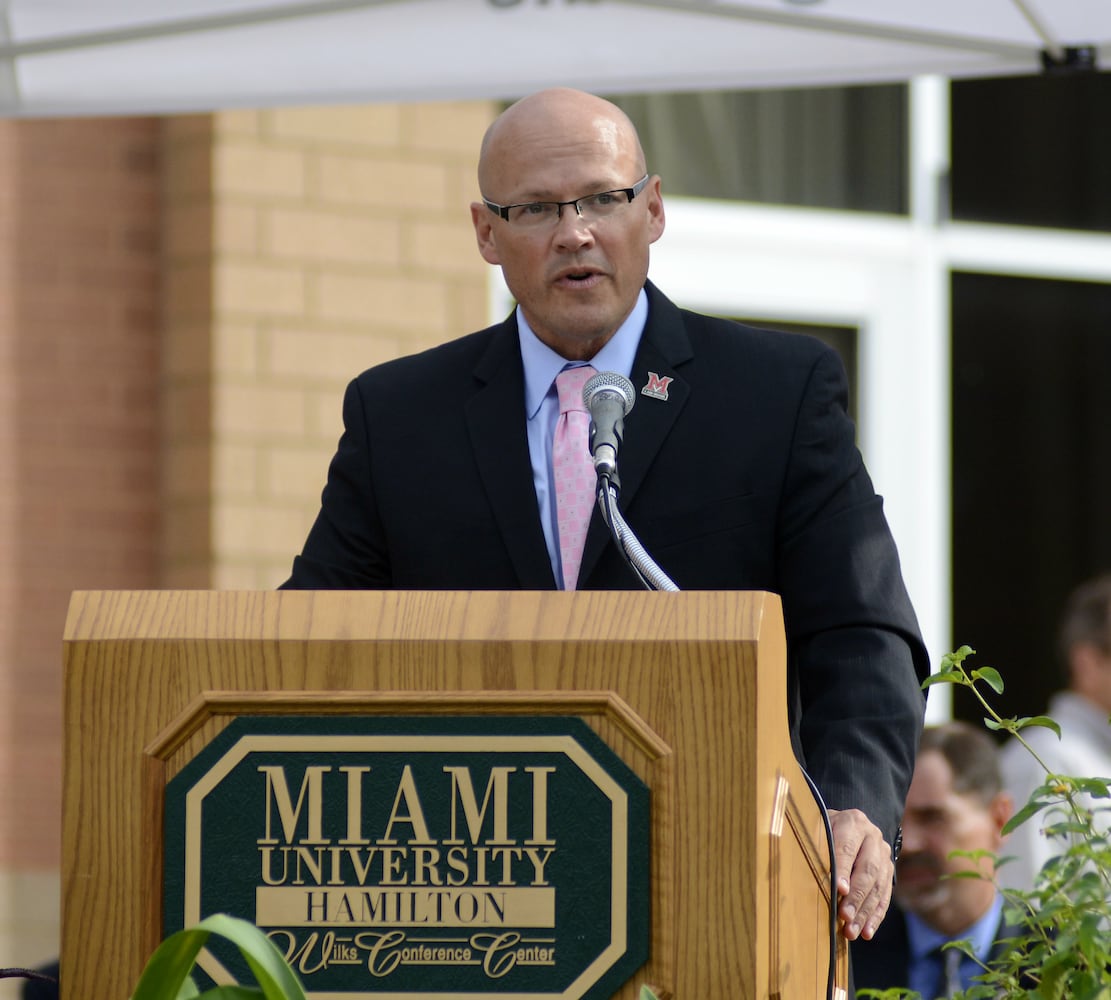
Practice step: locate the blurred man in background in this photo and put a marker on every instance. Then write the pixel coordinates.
(1081, 710)
(956, 803)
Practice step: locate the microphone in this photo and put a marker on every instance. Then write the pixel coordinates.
(608, 397)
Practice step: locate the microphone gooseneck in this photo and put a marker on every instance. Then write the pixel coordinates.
(608, 397)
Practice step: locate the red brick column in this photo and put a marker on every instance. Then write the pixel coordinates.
(79, 440)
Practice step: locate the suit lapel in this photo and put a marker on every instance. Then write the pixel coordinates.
(663, 349)
(495, 423)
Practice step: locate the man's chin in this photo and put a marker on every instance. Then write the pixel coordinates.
(580, 335)
(921, 899)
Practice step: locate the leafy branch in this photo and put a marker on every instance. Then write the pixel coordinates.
(1059, 793)
(1063, 945)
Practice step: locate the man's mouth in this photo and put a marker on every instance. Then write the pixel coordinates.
(581, 277)
(917, 869)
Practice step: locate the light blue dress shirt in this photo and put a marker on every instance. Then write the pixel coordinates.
(924, 974)
(542, 365)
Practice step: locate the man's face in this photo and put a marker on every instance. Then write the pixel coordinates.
(1103, 682)
(936, 822)
(576, 281)
(1091, 672)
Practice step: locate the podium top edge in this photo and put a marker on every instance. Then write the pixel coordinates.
(397, 615)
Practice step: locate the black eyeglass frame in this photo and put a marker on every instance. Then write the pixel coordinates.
(629, 192)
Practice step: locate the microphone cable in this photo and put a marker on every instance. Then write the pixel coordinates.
(831, 968)
(646, 570)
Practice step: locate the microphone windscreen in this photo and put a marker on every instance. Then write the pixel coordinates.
(612, 382)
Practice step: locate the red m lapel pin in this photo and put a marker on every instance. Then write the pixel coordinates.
(656, 386)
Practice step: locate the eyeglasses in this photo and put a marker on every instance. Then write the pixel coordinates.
(590, 207)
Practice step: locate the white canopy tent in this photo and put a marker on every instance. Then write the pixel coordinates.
(91, 57)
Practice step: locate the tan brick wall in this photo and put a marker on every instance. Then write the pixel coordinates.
(79, 440)
(336, 238)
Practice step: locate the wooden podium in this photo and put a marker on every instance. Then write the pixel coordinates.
(687, 689)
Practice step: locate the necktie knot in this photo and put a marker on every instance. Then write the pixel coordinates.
(569, 387)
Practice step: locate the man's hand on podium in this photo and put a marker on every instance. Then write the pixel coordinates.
(865, 872)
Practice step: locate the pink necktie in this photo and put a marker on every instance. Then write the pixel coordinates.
(572, 470)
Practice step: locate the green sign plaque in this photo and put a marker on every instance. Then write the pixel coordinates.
(458, 857)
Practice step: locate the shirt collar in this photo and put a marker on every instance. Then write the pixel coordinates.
(923, 939)
(542, 364)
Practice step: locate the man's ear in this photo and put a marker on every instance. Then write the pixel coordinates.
(484, 232)
(656, 217)
(1002, 808)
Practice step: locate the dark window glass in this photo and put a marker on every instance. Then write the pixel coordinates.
(834, 147)
(1033, 151)
(1031, 478)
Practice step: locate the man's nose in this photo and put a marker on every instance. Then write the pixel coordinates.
(572, 229)
(568, 206)
(912, 837)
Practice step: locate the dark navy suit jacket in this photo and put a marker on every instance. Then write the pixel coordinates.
(746, 477)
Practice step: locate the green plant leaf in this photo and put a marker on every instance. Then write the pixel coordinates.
(269, 966)
(1039, 720)
(232, 993)
(167, 970)
(1097, 788)
(955, 659)
(167, 973)
(647, 994)
(1019, 818)
(1056, 969)
(952, 677)
(990, 676)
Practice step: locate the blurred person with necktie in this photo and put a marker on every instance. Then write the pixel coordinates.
(956, 803)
